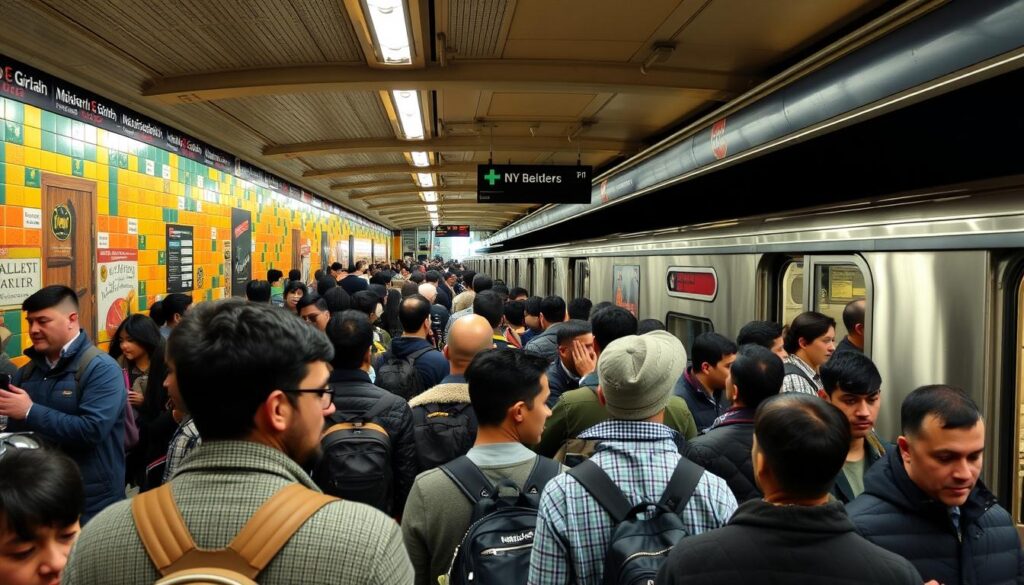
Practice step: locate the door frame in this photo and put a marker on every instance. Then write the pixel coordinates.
(47, 180)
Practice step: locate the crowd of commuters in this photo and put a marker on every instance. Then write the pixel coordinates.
(420, 423)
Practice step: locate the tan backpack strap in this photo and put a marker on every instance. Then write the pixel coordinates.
(161, 527)
(273, 525)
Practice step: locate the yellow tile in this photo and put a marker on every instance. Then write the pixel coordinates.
(15, 197)
(33, 197)
(48, 161)
(33, 136)
(102, 153)
(102, 189)
(14, 154)
(133, 161)
(90, 170)
(172, 160)
(33, 116)
(32, 157)
(63, 164)
(15, 174)
(102, 205)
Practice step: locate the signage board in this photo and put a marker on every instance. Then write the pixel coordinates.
(180, 252)
(451, 231)
(533, 183)
(241, 250)
(698, 283)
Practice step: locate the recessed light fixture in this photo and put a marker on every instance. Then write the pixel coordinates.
(432, 208)
(425, 179)
(420, 159)
(407, 103)
(429, 196)
(390, 30)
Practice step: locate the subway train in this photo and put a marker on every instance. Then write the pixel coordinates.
(941, 271)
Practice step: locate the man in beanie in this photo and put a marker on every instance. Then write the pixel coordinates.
(637, 452)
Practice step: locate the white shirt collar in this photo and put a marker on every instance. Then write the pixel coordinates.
(63, 350)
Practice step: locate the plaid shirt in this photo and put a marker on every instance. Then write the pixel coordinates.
(796, 383)
(185, 438)
(573, 530)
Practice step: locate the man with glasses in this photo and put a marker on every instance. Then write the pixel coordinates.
(255, 381)
(313, 310)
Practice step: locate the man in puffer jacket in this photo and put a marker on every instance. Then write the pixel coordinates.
(552, 314)
(924, 502)
(351, 334)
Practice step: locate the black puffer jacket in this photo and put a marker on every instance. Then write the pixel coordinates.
(724, 450)
(896, 515)
(353, 395)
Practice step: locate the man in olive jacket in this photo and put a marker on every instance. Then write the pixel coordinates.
(255, 381)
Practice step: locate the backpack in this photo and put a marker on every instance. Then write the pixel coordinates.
(131, 427)
(443, 432)
(496, 548)
(793, 369)
(576, 451)
(356, 463)
(398, 375)
(180, 561)
(638, 547)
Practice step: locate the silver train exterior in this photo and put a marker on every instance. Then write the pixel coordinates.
(941, 271)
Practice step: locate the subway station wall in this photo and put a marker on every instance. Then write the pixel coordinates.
(125, 223)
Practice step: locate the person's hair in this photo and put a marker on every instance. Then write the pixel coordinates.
(852, 372)
(317, 275)
(712, 348)
(365, 301)
(39, 488)
(553, 309)
(49, 297)
(230, 355)
(361, 264)
(482, 282)
(579, 308)
(807, 326)
(499, 378)
(518, 291)
(156, 313)
(324, 284)
(804, 441)
(515, 313)
(853, 314)
(142, 330)
(489, 305)
(612, 323)
(417, 277)
(410, 288)
(951, 406)
(572, 329)
(763, 333)
(258, 291)
(603, 305)
(433, 276)
(294, 274)
(175, 304)
(337, 299)
(351, 334)
(312, 299)
(336, 266)
(382, 277)
(274, 275)
(413, 311)
(389, 319)
(648, 325)
(294, 285)
(758, 375)
(467, 278)
(380, 290)
(531, 306)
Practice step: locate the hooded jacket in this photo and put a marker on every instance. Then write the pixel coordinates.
(895, 514)
(431, 366)
(546, 343)
(724, 450)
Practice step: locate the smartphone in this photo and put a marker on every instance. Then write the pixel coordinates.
(5, 381)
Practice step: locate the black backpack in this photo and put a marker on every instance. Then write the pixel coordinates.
(496, 548)
(442, 432)
(398, 375)
(356, 462)
(638, 547)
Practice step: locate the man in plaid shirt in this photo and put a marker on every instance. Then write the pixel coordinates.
(637, 451)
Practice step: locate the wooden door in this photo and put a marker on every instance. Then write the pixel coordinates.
(69, 219)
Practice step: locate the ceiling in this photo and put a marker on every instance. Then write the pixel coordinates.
(297, 87)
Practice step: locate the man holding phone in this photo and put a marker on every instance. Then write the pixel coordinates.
(82, 413)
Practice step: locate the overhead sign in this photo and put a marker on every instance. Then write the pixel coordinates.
(533, 183)
(698, 283)
(451, 231)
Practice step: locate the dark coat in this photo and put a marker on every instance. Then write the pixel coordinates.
(846, 345)
(444, 297)
(431, 366)
(87, 425)
(559, 382)
(354, 394)
(724, 450)
(896, 515)
(703, 408)
(545, 344)
(353, 283)
(873, 451)
(784, 545)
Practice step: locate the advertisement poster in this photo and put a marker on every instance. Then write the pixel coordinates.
(179, 258)
(627, 288)
(20, 275)
(241, 250)
(117, 283)
(363, 249)
(341, 249)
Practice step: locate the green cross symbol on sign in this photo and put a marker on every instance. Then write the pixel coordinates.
(492, 177)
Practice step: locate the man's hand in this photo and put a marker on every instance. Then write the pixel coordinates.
(585, 358)
(14, 403)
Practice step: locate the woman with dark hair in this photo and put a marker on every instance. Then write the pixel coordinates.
(293, 292)
(389, 319)
(139, 348)
(41, 500)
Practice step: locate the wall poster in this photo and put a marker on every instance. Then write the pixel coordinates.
(20, 275)
(179, 258)
(627, 288)
(118, 280)
(241, 250)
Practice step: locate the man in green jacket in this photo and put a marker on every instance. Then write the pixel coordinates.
(578, 410)
(255, 381)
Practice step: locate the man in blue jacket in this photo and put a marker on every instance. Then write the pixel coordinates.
(82, 413)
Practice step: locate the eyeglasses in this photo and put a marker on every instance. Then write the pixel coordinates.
(311, 318)
(326, 394)
(18, 441)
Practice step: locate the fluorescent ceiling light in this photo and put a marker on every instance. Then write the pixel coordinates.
(407, 102)
(390, 31)
(429, 196)
(420, 159)
(432, 208)
(435, 222)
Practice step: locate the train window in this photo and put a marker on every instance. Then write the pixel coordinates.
(531, 274)
(582, 284)
(687, 327)
(550, 278)
(836, 285)
(791, 293)
(626, 288)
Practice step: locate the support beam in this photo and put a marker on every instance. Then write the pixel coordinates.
(452, 144)
(375, 185)
(411, 190)
(533, 76)
(422, 211)
(450, 205)
(468, 168)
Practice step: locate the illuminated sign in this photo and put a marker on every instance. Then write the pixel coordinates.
(451, 231)
(533, 183)
(696, 283)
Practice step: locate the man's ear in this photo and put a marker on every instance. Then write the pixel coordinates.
(600, 396)
(273, 414)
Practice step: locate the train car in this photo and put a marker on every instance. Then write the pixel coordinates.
(941, 272)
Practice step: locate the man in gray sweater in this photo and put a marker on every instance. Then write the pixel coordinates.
(508, 389)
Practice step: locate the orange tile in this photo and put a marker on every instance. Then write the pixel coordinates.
(103, 223)
(133, 242)
(13, 216)
(122, 225)
(14, 236)
(33, 237)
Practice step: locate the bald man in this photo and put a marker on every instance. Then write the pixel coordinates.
(439, 315)
(443, 419)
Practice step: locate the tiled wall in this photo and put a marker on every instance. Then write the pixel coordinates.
(130, 184)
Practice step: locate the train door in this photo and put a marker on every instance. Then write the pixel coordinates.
(1013, 462)
(581, 278)
(550, 279)
(531, 275)
(838, 281)
(69, 257)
